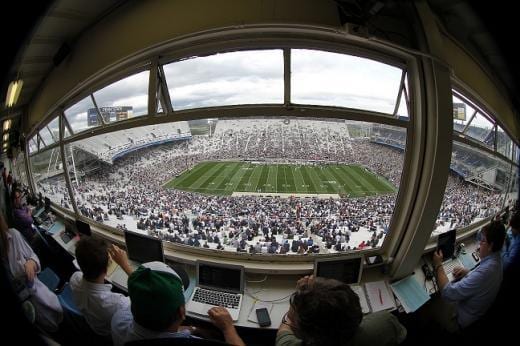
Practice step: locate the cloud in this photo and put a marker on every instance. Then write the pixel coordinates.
(249, 77)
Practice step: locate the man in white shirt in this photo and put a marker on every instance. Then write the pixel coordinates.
(91, 295)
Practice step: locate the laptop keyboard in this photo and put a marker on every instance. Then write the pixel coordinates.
(217, 298)
(449, 265)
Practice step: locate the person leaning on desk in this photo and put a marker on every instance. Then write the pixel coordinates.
(327, 312)
(93, 297)
(469, 296)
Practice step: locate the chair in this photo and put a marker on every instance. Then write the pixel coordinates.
(49, 278)
(174, 342)
(76, 329)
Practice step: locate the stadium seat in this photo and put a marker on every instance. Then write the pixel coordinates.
(49, 278)
(75, 329)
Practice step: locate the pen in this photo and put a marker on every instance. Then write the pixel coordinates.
(380, 296)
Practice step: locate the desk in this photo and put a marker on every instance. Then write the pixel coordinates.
(275, 289)
(56, 230)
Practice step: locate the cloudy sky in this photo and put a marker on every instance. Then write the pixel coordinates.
(248, 77)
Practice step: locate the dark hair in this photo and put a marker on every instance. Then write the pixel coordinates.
(495, 233)
(326, 312)
(92, 256)
(515, 221)
(4, 242)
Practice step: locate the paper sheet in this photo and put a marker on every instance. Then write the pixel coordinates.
(379, 296)
(362, 298)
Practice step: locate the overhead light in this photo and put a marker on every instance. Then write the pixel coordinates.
(7, 125)
(6, 137)
(13, 92)
(5, 145)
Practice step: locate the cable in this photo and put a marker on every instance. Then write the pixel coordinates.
(257, 281)
(268, 301)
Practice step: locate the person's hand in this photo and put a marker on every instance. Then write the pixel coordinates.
(220, 317)
(304, 281)
(118, 255)
(459, 272)
(30, 269)
(437, 258)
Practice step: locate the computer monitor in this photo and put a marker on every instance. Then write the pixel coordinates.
(83, 228)
(47, 204)
(345, 269)
(446, 243)
(142, 248)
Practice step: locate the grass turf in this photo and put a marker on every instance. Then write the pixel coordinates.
(224, 178)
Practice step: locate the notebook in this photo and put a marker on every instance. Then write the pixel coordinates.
(217, 285)
(446, 243)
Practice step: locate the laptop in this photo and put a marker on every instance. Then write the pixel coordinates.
(140, 248)
(217, 285)
(83, 228)
(446, 243)
(347, 269)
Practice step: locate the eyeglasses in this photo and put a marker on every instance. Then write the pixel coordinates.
(286, 321)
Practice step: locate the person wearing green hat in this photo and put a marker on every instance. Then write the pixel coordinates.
(157, 309)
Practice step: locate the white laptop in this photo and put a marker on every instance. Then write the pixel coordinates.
(217, 285)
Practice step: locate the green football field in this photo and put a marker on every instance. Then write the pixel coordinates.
(224, 178)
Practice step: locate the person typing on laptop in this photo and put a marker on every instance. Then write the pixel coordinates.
(465, 300)
(157, 309)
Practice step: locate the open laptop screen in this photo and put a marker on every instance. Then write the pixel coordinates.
(226, 278)
(446, 243)
(346, 269)
(83, 228)
(142, 248)
(47, 204)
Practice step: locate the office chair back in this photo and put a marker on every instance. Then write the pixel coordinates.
(77, 330)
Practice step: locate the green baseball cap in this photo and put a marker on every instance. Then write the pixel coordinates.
(156, 293)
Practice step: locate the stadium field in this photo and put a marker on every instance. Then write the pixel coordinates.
(224, 178)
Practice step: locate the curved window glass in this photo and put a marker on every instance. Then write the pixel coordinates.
(83, 115)
(479, 184)
(124, 99)
(332, 79)
(49, 178)
(235, 78)
(251, 184)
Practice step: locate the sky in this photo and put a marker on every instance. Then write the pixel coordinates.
(249, 77)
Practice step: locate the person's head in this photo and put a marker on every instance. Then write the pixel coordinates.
(492, 238)
(156, 296)
(515, 222)
(17, 198)
(4, 244)
(325, 312)
(92, 256)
